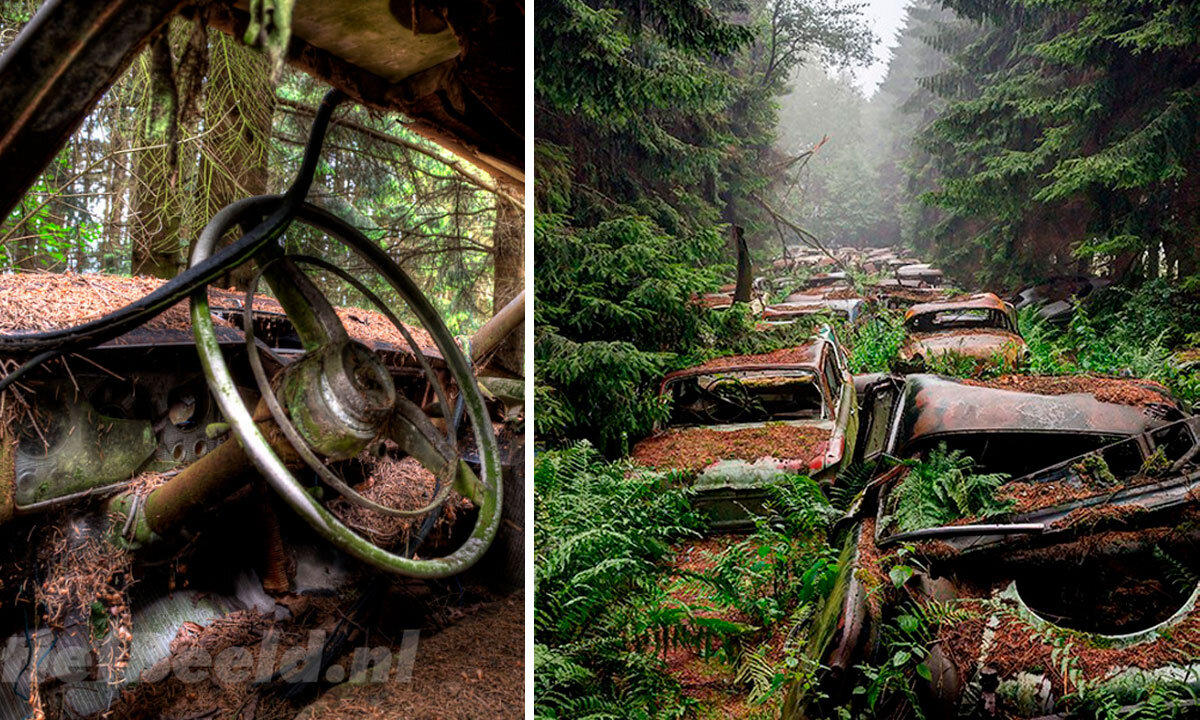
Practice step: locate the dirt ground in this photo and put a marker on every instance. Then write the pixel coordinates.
(466, 663)
(472, 670)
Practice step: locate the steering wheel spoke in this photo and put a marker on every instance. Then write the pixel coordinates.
(412, 431)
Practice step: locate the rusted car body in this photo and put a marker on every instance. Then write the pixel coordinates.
(1013, 424)
(122, 419)
(919, 274)
(800, 305)
(894, 295)
(1071, 587)
(980, 327)
(1056, 298)
(740, 422)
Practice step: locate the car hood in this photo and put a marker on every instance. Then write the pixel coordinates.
(743, 453)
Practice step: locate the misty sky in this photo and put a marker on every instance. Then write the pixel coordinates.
(885, 17)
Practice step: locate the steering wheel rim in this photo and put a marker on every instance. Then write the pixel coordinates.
(725, 401)
(272, 467)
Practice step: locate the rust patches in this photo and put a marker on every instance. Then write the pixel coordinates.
(979, 343)
(980, 301)
(692, 449)
(936, 406)
(714, 301)
(1018, 647)
(1118, 391)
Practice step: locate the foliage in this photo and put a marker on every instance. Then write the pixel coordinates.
(599, 531)
(904, 647)
(615, 312)
(1125, 333)
(941, 488)
(874, 344)
(238, 135)
(613, 301)
(654, 126)
(1065, 141)
(607, 607)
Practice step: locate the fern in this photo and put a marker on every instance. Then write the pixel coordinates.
(941, 489)
(1182, 577)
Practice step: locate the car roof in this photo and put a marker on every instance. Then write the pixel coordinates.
(933, 406)
(985, 301)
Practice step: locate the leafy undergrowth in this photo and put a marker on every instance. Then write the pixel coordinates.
(941, 489)
(637, 616)
(1124, 333)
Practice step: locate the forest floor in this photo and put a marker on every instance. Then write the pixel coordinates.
(468, 663)
(711, 679)
(472, 670)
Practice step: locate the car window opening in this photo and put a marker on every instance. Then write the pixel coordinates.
(745, 397)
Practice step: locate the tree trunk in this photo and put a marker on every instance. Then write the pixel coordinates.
(745, 274)
(238, 110)
(156, 209)
(508, 243)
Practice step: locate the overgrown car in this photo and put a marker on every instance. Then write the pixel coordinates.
(737, 423)
(846, 305)
(1013, 424)
(981, 328)
(124, 457)
(1057, 298)
(178, 471)
(1031, 592)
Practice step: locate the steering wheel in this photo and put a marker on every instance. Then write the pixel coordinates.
(339, 397)
(730, 400)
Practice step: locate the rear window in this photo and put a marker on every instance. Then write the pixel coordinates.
(745, 397)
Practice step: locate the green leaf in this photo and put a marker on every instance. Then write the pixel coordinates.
(900, 574)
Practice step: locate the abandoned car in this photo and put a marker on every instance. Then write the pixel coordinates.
(802, 306)
(981, 327)
(739, 422)
(125, 455)
(1057, 298)
(184, 474)
(919, 275)
(1076, 582)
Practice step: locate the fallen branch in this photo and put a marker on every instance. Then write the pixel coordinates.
(805, 236)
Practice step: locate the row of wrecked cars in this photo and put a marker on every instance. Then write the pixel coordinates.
(1086, 582)
(940, 322)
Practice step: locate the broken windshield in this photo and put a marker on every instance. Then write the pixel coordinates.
(959, 318)
(745, 397)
